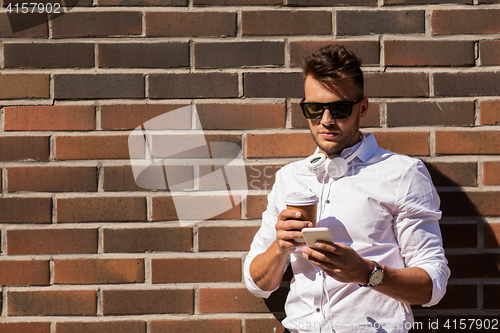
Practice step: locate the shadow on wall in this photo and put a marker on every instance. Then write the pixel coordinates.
(467, 238)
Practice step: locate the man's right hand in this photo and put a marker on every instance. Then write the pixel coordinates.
(288, 228)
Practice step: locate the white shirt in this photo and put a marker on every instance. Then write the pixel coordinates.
(387, 209)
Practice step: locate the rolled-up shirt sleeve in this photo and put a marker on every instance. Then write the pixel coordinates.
(417, 228)
(262, 241)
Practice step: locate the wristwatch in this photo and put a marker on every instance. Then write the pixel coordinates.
(376, 276)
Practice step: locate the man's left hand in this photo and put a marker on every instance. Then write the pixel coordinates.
(340, 261)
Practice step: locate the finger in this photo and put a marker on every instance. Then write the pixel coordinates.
(296, 225)
(290, 214)
(289, 234)
(328, 247)
(326, 266)
(317, 255)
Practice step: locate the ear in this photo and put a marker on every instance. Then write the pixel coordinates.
(364, 108)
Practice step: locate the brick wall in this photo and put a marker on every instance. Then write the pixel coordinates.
(84, 249)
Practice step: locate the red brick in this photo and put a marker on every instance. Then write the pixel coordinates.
(164, 208)
(26, 210)
(196, 270)
(25, 327)
(143, 55)
(65, 3)
(52, 241)
(489, 112)
(241, 116)
(453, 173)
(27, 148)
(105, 209)
(490, 292)
(396, 84)
(263, 326)
(459, 235)
(256, 205)
(255, 178)
(367, 51)
(225, 238)
(430, 114)
(362, 22)
(45, 55)
(463, 296)
(98, 271)
(468, 142)
(408, 143)
(96, 24)
(98, 86)
(428, 53)
(121, 178)
(148, 240)
(91, 147)
(372, 118)
(24, 272)
(470, 266)
(167, 146)
(261, 177)
(491, 235)
(52, 303)
(102, 326)
(289, 22)
(239, 54)
(331, 2)
(466, 84)
(191, 24)
(158, 301)
(193, 85)
(50, 118)
(133, 115)
(230, 301)
(489, 52)
(18, 86)
(280, 145)
(52, 179)
(196, 325)
(236, 2)
(465, 21)
(143, 3)
(491, 173)
(23, 25)
(425, 2)
(470, 203)
(283, 85)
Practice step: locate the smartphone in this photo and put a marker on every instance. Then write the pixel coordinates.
(312, 235)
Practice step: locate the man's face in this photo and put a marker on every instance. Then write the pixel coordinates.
(330, 134)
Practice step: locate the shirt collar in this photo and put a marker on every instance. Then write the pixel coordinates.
(368, 150)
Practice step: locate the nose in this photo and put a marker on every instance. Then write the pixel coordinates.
(327, 117)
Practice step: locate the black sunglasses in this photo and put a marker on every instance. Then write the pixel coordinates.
(338, 110)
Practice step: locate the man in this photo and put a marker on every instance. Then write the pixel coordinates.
(383, 215)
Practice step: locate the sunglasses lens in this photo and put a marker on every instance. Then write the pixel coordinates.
(338, 110)
(313, 110)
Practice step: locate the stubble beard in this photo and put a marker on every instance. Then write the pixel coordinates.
(339, 146)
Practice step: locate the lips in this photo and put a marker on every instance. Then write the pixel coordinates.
(328, 134)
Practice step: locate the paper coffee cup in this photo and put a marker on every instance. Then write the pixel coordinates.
(306, 203)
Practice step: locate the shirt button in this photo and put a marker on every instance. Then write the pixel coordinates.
(318, 310)
(327, 201)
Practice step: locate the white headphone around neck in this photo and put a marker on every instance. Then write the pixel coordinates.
(336, 167)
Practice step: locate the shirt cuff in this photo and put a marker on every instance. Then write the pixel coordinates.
(439, 276)
(250, 283)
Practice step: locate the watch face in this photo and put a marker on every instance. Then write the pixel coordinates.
(376, 278)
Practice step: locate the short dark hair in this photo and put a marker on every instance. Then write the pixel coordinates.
(333, 65)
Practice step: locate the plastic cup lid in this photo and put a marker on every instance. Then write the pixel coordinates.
(301, 198)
